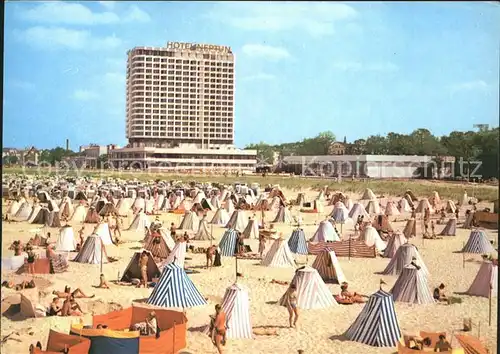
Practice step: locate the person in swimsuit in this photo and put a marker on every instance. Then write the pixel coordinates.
(291, 305)
(75, 294)
(55, 307)
(143, 265)
(262, 244)
(118, 227)
(219, 328)
(103, 284)
(31, 261)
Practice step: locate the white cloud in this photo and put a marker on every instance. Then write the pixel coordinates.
(259, 77)
(135, 14)
(52, 38)
(360, 66)
(315, 18)
(265, 51)
(477, 85)
(23, 85)
(110, 5)
(59, 12)
(84, 95)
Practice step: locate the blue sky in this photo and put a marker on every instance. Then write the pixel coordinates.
(356, 69)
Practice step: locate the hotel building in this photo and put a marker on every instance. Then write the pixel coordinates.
(180, 109)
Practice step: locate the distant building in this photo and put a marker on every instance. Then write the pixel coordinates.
(180, 109)
(337, 148)
(368, 166)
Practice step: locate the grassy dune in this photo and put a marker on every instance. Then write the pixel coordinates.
(380, 187)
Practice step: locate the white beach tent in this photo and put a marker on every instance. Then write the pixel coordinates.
(325, 232)
(91, 251)
(279, 255)
(66, 240)
(372, 237)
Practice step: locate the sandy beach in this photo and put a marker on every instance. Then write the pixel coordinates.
(319, 331)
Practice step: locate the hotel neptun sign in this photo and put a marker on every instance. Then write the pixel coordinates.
(198, 47)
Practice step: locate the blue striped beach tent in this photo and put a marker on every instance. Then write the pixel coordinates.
(175, 290)
(478, 243)
(297, 242)
(228, 243)
(377, 324)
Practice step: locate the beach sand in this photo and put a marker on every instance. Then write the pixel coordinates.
(319, 331)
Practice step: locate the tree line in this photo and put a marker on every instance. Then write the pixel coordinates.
(469, 147)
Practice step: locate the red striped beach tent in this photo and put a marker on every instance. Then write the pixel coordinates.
(377, 324)
(486, 276)
(372, 238)
(190, 222)
(279, 255)
(157, 245)
(478, 243)
(395, 241)
(312, 292)
(357, 210)
(328, 267)
(410, 229)
(411, 287)
(91, 251)
(236, 306)
(450, 228)
(325, 232)
(283, 216)
(403, 257)
(133, 270)
(238, 221)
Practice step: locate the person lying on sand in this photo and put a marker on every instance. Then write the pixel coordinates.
(417, 343)
(71, 308)
(103, 284)
(75, 294)
(347, 296)
(22, 285)
(439, 294)
(55, 307)
(280, 282)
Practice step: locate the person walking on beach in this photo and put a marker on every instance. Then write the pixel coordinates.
(118, 227)
(291, 305)
(219, 328)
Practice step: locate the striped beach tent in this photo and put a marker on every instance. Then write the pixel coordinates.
(390, 209)
(157, 245)
(357, 210)
(190, 222)
(103, 231)
(403, 257)
(478, 243)
(424, 204)
(91, 251)
(450, 229)
(368, 195)
(140, 222)
(283, 216)
(229, 206)
(238, 221)
(486, 276)
(340, 213)
(377, 324)
(24, 211)
(411, 287)
(373, 207)
(203, 231)
(228, 243)
(312, 292)
(279, 255)
(371, 237)
(450, 207)
(252, 229)
(177, 256)
(221, 217)
(236, 306)
(325, 232)
(328, 267)
(297, 242)
(395, 241)
(410, 229)
(175, 290)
